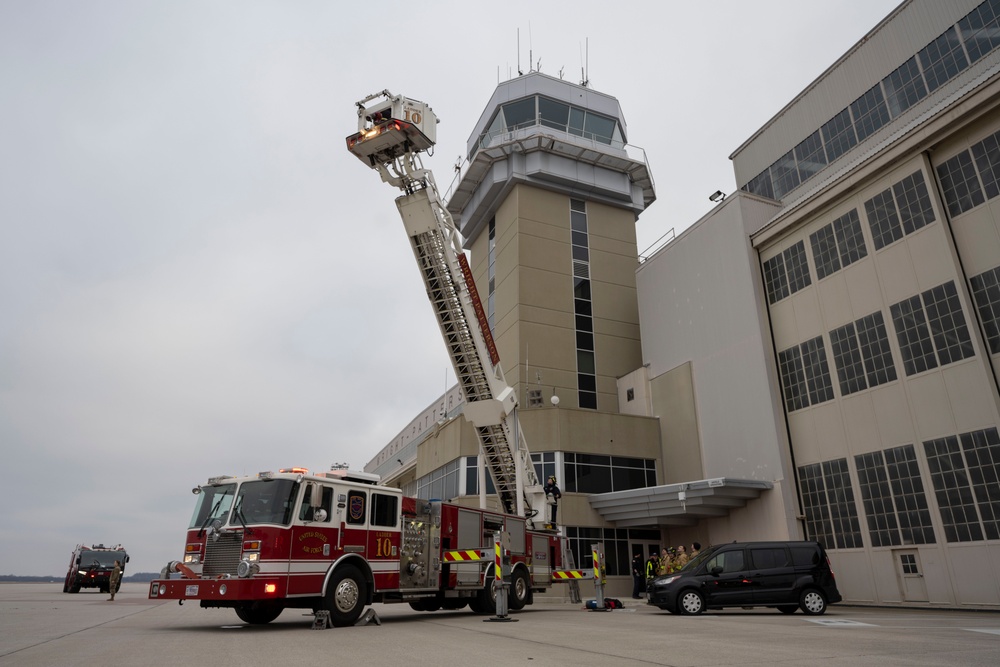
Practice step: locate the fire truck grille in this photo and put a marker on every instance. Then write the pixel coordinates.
(222, 556)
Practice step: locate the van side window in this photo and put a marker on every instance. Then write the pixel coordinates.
(384, 510)
(729, 561)
(768, 558)
(805, 555)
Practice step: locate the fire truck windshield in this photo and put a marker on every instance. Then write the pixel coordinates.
(214, 502)
(266, 501)
(102, 559)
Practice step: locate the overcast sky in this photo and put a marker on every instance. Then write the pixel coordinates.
(196, 277)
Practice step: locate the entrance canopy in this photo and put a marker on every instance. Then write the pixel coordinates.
(683, 504)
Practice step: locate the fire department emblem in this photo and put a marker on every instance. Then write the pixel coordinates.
(358, 508)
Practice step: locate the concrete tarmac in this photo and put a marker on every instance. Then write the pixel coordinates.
(41, 625)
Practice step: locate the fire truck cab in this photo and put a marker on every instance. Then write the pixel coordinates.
(90, 567)
(338, 541)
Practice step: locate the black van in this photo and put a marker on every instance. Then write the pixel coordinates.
(785, 575)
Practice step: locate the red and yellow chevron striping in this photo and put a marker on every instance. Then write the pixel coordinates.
(460, 556)
(562, 575)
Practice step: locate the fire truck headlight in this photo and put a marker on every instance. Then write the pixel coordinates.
(163, 589)
(246, 569)
(193, 559)
(222, 589)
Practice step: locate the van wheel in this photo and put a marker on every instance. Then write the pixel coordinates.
(345, 596)
(788, 608)
(812, 602)
(690, 602)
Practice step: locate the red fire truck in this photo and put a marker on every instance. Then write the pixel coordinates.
(338, 541)
(90, 567)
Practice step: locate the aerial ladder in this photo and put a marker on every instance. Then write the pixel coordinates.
(393, 133)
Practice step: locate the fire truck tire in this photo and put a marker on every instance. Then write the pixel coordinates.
(430, 604)
(520, 590)
(345, 596)
(486, 601)
(75, 588)
(453, 605)
(258, 615)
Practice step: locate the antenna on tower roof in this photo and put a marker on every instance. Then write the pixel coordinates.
(531, 56)
(519, 72)
(585, 66)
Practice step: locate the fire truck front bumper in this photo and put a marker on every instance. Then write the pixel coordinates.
(218, 592)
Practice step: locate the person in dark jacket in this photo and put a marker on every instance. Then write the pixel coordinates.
(552, 494)
(638, 577)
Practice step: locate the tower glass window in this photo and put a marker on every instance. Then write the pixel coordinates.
(540, 111)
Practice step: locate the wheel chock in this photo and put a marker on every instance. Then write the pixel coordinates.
(322, 620)
(369, 617)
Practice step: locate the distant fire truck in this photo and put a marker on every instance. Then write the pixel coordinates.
(90, 567)
(337, 541)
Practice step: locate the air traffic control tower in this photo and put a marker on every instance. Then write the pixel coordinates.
(547, 202)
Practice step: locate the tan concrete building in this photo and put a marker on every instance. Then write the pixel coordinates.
(547, 203)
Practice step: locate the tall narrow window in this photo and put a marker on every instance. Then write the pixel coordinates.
(491, 299)
(586, 365)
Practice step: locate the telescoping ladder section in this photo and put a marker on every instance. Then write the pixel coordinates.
(458, 308)
(392, 133)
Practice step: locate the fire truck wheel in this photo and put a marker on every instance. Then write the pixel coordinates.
(345, 596)
(455, 604)
(75, 588)
(425, 605)
(258, 615)
(486, 603)
(520, 590)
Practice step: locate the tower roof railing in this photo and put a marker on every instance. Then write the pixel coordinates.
(598, 151)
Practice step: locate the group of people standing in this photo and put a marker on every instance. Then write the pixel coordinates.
(669, 560)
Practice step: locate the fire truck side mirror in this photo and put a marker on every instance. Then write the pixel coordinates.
(127, 557)
(77, 560)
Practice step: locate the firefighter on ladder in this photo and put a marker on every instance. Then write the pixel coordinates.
(552, 494)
